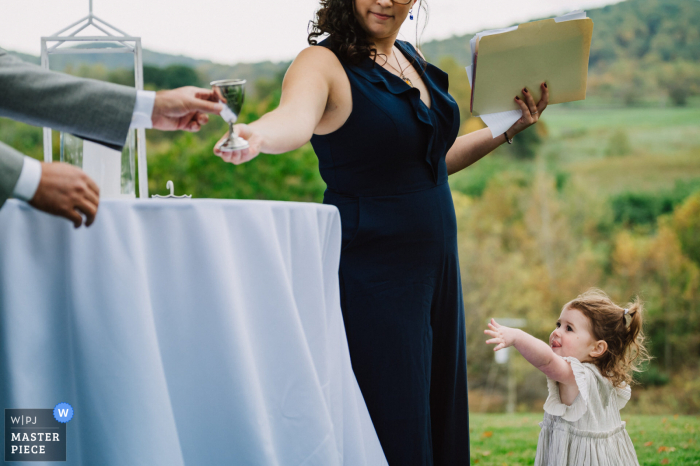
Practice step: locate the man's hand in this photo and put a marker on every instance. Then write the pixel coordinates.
(67, 191)
(184, 108)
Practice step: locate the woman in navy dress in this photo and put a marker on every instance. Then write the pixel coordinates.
(384, 128)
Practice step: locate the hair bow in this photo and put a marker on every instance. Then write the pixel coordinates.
(627, 317)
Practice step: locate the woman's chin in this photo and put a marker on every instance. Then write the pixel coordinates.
(379, 31)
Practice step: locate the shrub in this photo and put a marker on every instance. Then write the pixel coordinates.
(651, 376)
(618, 144)
(644, 208)
(686, 223)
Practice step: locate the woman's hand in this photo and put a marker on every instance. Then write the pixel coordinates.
(305, 97)
(531, 112)
(503, 336)
(238, 157)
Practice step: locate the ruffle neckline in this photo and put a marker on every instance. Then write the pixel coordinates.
(577, 409)
(582, 372)
(373, 72)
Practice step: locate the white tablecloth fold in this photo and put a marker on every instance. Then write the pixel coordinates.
(198, 332)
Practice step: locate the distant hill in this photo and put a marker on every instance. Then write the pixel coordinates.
(206, 68)
(663, 30)
(636, 44)
(115, 61)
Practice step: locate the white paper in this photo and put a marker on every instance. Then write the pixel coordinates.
(104, 166)
(500, 122)
(489, 32)
(578, 14)
(228, 115)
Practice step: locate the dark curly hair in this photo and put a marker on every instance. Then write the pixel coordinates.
(348, 39)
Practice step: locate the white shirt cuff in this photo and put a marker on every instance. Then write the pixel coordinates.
(143, 110)
(28, 181)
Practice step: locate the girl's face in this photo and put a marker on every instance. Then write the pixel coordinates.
(381, 18)
(573, 337)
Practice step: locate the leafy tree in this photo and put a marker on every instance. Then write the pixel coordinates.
(170, 77)
(195, 170)
(189, 161)
(632, 40)
(527, 142)
(639, 208)
(122, 76)
(686, 224)
(681, 80)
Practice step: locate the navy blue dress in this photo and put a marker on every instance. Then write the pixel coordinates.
(400, 286)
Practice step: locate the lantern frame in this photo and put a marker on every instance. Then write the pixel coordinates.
(125, 43)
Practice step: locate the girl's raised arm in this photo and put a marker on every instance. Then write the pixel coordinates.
(537, 352)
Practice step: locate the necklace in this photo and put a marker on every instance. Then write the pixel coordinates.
(401, 71)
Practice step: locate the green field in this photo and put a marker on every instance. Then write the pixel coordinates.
(660, 146)
(500, 439)
(612, 150)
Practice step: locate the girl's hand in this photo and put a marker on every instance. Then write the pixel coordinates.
(503, 336)
(238, 157)
(531, 112)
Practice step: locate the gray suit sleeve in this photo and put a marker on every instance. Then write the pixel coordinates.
(90, 109)
(11, 163)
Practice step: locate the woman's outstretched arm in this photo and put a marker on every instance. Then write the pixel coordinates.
(470, 148)
(305, 92)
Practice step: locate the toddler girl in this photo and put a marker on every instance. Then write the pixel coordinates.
(592, 353)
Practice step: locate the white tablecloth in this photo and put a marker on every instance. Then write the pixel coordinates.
(199, 332)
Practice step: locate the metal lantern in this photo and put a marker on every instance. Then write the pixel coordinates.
(72, 149)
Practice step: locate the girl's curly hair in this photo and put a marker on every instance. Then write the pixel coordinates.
(623, 334)
(348, 39)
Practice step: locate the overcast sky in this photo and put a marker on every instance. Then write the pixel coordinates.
(232, 31)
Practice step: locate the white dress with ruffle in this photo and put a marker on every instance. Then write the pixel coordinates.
(590, 431)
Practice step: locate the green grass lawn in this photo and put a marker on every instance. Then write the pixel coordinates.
(561, 119)
(500, 439)
(661, 146)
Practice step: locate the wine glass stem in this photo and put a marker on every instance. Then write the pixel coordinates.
(231, 134)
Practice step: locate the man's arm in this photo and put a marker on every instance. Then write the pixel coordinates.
(90, 109)
(11, 163)
(95, 110)
(60, 189)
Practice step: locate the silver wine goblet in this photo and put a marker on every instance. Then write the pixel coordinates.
(232, 93)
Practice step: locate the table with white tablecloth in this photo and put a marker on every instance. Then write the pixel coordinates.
(184, 332)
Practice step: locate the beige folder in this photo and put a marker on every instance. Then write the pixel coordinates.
(537, 52)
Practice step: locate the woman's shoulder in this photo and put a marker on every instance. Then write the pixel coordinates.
(317, 58)
(320, 51)
(317, 66)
